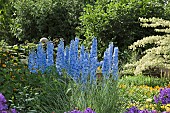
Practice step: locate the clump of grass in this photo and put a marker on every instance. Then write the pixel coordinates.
(102, 97)
(52, 96)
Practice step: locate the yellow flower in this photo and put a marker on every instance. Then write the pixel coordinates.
(149, 100)
(157, 87)
(163, 107)
(168, 85)
(12, 56)
(167, 107)
(122, 86)
(13, 77)
(4, 54)
(99, 70)
(15, 64)
(4, 65)
(146, 106)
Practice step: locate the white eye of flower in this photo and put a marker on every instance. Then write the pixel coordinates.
(43, 40)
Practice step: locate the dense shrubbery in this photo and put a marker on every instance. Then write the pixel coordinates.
(50, 18)
(117, 21)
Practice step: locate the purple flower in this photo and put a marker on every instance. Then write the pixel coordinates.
(163, 97)
(3, 105)
(89, 110)
(136, 110)
(3, 112)
(74, 111)
(13, 111)
(132, 110)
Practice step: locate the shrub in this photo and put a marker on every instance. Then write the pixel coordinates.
(153, 50)
(45, 18)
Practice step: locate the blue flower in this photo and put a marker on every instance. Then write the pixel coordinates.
(115, 63)
(76, 59)
(50, 52)
(76, 45)
(72, 58)
(81, 58)
(32, 64)
(93, 60)
(85, 69)
(60, 64)
(110, 49)
(105, 64)
(41, 58)
(66, 59)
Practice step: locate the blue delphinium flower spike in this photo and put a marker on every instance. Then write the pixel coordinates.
(105, 65)
(50, 52)
(32, 65)
(110, 57)
(93, 60)
(115, 63)
(81, 58)
(60, 57)
(41, 58)
(85, 69)
(66, 59)
(76, 59)
(72, 58)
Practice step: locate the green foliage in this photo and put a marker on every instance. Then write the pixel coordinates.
(16, 82)
(102, 97)
(143, 80)
(53, 96)
(43, 18)
(154, 51)
(117, 21)
(6, 14)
